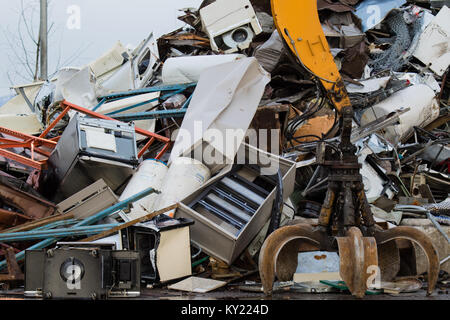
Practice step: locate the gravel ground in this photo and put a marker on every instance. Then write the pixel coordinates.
(165, 294)
(235, 294)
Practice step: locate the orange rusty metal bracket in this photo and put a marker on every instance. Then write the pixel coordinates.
(28, 142)
(67, 106)
(39, 165)
(14, 272)
(28, 138)
(33, 143)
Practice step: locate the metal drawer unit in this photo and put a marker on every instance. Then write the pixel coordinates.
(218, 230)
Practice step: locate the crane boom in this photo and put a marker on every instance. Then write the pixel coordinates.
(299, 25)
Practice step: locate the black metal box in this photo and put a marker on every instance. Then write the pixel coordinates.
(83, 272)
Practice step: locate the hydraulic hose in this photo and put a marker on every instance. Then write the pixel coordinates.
(277, 206)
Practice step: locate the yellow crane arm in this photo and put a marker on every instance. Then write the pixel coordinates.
(298, 23)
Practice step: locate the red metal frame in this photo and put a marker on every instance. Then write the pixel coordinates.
(153, 136)
(34, 143)
(28, 142)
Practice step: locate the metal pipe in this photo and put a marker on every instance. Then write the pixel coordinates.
(149, 89)
(419, 209)
(187, 102)
(410, 208)
(445, 260)
(321, 182)
(60, 234)
(312, 180)
(99, 104)
(31, 235)
(159, 114)
(90, 220)
(438, 226)
(55, 224)
(118, 206)
(145, 102)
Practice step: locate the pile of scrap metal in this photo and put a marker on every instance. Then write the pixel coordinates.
(124, 167)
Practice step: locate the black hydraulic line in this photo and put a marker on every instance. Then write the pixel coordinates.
(277, 206)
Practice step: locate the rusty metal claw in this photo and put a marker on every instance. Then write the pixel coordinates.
(278, 256)
(422, 240)
(277, 244)
(358, 255)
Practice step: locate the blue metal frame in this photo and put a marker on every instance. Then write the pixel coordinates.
(164, 97)
(179, 88)
(56, 224)
(149, 90)
(65, 232)
(159, 114)
(88, 221)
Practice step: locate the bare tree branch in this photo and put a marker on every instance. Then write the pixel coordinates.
(8, 75)
(24, 44)
(76, 54)
(14, 50)
(24, 48)
(27, 27)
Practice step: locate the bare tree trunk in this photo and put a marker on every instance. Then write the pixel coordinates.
(26, 64)
(43, 36)
(36, 67)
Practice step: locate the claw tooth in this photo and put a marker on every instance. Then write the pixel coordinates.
(423, 241)
(274, 244)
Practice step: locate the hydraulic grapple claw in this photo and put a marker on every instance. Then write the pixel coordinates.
(358, 257)
(278, 256)
(422, 240)
(275, 243)
(358, 254)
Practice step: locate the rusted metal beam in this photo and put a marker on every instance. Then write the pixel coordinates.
(31, 205)
(145, 148)
(438, 122)
(14, 272)
(11, 218)
(24, 136)
(130, 223)
(160, 154)
(39, 223)
(39, 165)
(28, 142)
(54, 123)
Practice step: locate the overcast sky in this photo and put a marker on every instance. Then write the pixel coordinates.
(82, 30)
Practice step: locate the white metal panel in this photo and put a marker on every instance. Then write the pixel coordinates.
(434, 43)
